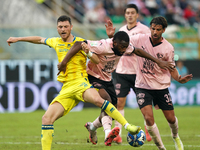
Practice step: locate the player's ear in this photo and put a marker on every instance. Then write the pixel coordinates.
(163, 30)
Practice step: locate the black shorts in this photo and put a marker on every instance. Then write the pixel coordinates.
(107, 85)
(162, 98)
(123, 83)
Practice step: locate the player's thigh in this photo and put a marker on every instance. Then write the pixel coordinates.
(123, 83)
(162, 98)
(54, 111)
(147, 112)
(92, 96)
(108, 86)
(144, 97)
(72, 93)
(121, 102)
(67, 103)
(111, 91)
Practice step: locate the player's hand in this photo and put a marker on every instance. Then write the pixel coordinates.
(166, 65)
(61, 68)
(185, 78)
(12, 40)
(109, 29)
(85, 47)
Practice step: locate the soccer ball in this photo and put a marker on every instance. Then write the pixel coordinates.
(136, 140)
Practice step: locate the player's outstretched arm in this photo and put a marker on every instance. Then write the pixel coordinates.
(175, 75)
(162, 64)
(31, 39)
(110, 30)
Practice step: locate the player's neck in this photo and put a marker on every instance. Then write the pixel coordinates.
(70, 38)
(155, 42)
(131, 25)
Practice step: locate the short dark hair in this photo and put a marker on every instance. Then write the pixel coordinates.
(64, 18)
(159, 21)
(131, 6)
(121, 36)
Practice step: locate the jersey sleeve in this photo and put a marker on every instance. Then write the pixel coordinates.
(130, 49)
(96, 46)
(171, 55)
(51, 42)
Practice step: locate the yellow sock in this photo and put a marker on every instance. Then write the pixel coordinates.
(47, 136)
(113, 112)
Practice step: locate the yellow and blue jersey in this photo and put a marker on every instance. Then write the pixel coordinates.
(76, 67)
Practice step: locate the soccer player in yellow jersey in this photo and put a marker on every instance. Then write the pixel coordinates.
(76, 86)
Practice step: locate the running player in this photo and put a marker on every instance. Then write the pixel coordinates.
(125, 74)
(152, 82)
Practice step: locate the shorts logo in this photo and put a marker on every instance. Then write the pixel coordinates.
(117, 92)
(95, 84)
(140, 101)
(141, 95)
(118, 85)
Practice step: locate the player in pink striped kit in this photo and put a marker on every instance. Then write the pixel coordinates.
(109, 52)
(124, 78)
(152, 82)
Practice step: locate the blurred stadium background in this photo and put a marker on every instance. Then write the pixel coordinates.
(28, 71)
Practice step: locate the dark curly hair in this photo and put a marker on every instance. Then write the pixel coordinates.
(159, 21)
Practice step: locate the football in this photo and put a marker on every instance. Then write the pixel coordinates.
(136, 140)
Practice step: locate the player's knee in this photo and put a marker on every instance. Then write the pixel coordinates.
(171, 120)
(46, 120)
(149, 120)
(120, 106)
(121, 103)
(104, 95)
(98, 101)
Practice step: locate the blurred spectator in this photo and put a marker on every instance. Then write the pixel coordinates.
(119, 7)
(162, 7)
(76, 9)
(89, 4)
(109, 7)
(183, 4)
(152, 6)
(174, 13)
(141, 6)
(189, 14)
(96, 15)
(198, 14)
(181, 68)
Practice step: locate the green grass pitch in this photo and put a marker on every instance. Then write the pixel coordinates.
(21, 131)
